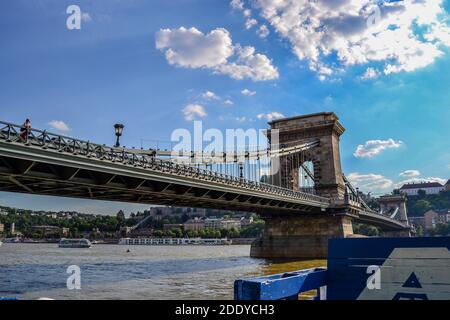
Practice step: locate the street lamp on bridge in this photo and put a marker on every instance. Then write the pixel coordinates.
(118, 128)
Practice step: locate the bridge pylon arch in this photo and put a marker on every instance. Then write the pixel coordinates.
(324, 127)
(305, 235)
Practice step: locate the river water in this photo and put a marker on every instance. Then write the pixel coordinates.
(31, 271)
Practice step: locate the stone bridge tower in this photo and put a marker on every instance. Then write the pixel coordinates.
(325, 127)
(395, 205)
(305, 234)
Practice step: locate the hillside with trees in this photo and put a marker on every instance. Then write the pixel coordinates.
(418, 205)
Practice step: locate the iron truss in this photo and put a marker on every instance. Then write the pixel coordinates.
(50, 164)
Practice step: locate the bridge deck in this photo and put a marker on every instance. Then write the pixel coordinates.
(54, 165)
(49, 164)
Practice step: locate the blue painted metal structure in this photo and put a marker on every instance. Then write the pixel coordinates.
(281, 286)
(367, 269)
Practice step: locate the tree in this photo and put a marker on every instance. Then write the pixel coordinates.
(120, 216)
(157, 233)
(419, 230)
(177, 232)
(422, 206)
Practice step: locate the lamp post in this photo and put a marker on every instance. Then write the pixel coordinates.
(118, 128)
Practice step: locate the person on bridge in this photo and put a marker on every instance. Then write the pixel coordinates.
(25, 129)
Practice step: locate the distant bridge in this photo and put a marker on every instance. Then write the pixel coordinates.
(55, 165)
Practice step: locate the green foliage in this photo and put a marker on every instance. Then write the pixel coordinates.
(366, 230)
(442, 229)
(418, 205)
(108, 226)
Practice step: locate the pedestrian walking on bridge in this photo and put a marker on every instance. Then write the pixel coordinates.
(25, 130)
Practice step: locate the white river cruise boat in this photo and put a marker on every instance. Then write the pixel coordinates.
(74, 243)
(173, 241)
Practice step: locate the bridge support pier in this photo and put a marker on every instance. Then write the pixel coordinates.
(300, 236)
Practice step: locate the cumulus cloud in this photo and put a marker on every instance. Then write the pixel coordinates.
(237, 4)
(370, 182)
(263, 31)
(193, 111)
(249, 23)
(410, 173)
(209, 95)
(373, 147)
(270, 116)
(248, 93)
(370, 73)
(190, 48)
(228, 102)
(402, 35)
(59, 125)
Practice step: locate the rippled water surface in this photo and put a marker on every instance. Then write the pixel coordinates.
(30, 271)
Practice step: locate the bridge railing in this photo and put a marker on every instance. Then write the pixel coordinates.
(43, 139)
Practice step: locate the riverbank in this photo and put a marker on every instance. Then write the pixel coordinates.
(234, 241)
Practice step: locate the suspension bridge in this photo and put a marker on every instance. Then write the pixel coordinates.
(296, 184)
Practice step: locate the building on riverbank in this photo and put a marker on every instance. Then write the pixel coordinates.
(412, 189)
(435, 217)
(51, 230)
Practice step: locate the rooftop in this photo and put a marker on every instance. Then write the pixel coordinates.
(421, 185)
(322, 115)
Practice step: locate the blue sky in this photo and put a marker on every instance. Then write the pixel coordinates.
(389, 86)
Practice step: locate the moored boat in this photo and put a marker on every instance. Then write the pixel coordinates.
(74, 243)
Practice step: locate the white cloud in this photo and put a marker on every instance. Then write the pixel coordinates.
(249, 64)
(240, 119)
(193, 111)
(370, 182)
(249, 23)
(407, 34)
(270, 116)
(237, 4)
(228, 102)
(373, 147)
(410, 173)
(263, 31)
(190, 48)
(248, 93)
(370, 73)
(209, 95)
(59, 125)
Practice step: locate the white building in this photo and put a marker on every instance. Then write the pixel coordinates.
(412, 189)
